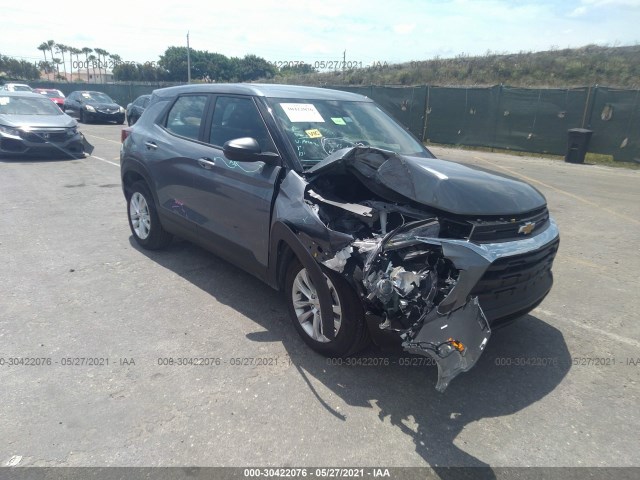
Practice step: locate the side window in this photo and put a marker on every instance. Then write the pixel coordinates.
(235, 117)
(145, 102)
(185, 116)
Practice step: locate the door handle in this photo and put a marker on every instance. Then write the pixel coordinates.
(150, 145)
(206, 163)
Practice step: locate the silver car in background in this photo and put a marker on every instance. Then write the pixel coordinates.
(31, 124)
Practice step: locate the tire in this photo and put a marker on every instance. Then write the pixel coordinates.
(81, 117)
(143, 219)
(128, 121)
(120, 122)
(351, 336)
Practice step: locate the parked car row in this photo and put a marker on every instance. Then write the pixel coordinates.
(30, 124)
(88, 106)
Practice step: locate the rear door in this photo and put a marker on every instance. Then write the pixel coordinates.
(172, 148)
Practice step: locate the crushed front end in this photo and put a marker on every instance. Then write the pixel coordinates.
(419, 286)
(423, 268)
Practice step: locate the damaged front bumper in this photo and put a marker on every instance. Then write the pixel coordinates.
(422, 275)
(455, 341)
(432, 308)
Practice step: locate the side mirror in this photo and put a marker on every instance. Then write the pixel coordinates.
(247, 149)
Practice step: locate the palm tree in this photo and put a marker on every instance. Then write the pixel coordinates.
(50, 45)
(105, 54)
(57, 63)
(75, 51)
(101, 53)
(87, 51)
(70, 49)
(62, 49)
(92, 59)
(43, 47)
(98, 51)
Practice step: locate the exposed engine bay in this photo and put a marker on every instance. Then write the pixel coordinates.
(410, 279)
(429, 246)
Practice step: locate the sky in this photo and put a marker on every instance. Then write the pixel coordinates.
(369, 31)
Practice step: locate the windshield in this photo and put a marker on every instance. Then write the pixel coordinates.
(21, 88)
(317, 128)
(28, 106)
(97, 97)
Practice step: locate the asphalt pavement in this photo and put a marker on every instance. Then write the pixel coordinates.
(105, 325)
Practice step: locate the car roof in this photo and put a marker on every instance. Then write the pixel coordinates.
(21, 94)
(264, 90)
(17, 84)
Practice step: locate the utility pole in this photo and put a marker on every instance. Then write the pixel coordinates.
(188, 61)
(344, 63)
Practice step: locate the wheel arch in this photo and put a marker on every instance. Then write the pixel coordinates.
(285, 246)
(131, 173)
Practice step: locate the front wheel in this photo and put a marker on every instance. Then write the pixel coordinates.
(143, 219)
(303, 304)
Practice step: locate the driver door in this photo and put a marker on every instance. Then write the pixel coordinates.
(236, 197)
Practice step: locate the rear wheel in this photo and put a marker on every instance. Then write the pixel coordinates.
(303, 304)
(143, 219)
(82, 118)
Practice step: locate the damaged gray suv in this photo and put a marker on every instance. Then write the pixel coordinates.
(322, 195)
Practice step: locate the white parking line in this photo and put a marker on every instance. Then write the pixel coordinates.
(101, 138)
(617, 338)
(104, 160)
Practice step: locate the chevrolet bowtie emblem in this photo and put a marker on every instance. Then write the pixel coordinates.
(527, 228)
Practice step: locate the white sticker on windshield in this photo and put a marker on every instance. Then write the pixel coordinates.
(86, 95)
(302, 112)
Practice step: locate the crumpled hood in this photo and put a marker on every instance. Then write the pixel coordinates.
(38, 121)
(440, 184)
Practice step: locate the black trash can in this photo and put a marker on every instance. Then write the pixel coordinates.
(577, 145)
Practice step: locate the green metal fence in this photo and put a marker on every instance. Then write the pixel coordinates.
(521, 119)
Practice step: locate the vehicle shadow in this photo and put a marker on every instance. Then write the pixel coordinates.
(30, 160)
(500, 384)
